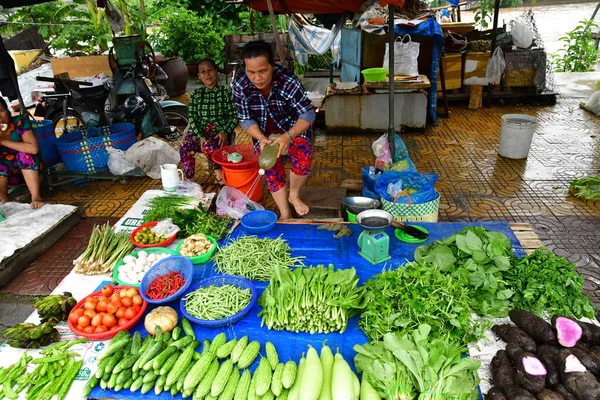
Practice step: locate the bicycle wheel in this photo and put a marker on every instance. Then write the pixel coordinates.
(73, 120)
(177, 117)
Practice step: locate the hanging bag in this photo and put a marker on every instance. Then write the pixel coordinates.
(406, 56)
(495, 67)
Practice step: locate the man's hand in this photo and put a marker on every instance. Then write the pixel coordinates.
(284, 142)
(222, 136)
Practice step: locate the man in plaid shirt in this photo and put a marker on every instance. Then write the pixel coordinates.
(271, 100)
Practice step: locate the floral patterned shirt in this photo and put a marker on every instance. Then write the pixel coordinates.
(212, 106)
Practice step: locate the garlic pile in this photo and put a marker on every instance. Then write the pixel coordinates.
(133, 269)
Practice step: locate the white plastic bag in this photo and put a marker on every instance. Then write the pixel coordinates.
(149, 154)
(593, 103)
(165, 228)
(495, 67)
(235, 203)
(381, 149)
(406, 56)
(522, 35)
(117, 164)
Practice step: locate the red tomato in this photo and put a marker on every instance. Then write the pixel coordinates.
(79, 328)
(122, 322)
(89, 313)
(93, 299)
(102, 298)
(120, 312)
(114, 297)
(111, 308)
(137, 300)
(115, 327)
(89, 305)
(84, 321)
(107, 290)
(130, 313)
(109, 321)
(137, 308)
(101, 306)
(97, 320)
(74, 316)
(89, 329)
(100, 329)
(127, 301)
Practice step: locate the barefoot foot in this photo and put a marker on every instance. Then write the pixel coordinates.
(36, 203)
(301, 208)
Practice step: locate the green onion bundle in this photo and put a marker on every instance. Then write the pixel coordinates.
(105, 249)
(216, 302)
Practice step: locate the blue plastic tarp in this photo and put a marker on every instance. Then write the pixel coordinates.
(319, 247)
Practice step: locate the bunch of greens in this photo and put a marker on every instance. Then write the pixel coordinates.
(587, 187)
(163, 207)
(318, 299)
(412, 361)
(477, 259)
(545, 282)
(408, 296)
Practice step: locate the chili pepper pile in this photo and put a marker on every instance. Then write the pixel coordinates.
(165, 286)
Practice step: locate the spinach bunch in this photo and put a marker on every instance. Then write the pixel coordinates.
(587, 187)
(545, 282)
(414, 294)
(407, 362)
(478, 259)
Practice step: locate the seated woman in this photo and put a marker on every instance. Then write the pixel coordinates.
(213, 118)
(18, 156)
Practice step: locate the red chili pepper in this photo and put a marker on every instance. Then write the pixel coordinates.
(165, 285)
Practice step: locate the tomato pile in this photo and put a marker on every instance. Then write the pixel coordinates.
(107, 312)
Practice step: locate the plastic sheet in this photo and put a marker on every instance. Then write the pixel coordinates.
(319, 247)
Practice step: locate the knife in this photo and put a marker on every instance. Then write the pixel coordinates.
(410, 230)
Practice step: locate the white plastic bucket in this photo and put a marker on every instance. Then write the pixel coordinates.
(516, 135)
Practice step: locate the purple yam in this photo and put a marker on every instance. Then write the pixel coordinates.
(534, 326)
(568, 332)
(531, 373)
(595, 350)
(503, 373)
(591, 332)
(578, 381)
(548, 394)
(518, 393)
(588, 360)
(513, 334)
(547, 355)
(533, 366)
(562, 390)
(495, 393)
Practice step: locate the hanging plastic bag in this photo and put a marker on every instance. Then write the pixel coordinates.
(495, 67)
(117, 164)
(381, 149)
(522, 35)
(406, 56)
(401, 160)
(234, 203)
(420, 187)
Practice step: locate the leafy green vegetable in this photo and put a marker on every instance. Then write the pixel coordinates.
(545, 282)
(163, 207)
(477, 258)
(587, 187)
(436, 368)
(414, 294)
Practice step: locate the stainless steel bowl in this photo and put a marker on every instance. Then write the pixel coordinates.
(357, 204)
(364, 218)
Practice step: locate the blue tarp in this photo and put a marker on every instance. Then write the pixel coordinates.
(430, 28)
(319, 247)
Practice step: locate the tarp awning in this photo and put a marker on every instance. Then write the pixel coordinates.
(316, 6)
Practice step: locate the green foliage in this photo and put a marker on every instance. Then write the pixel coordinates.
(579, 53)
(587, 187)
(184, 34)
(483, 13)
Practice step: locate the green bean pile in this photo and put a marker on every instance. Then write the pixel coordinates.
(254, 258)
(216, 302)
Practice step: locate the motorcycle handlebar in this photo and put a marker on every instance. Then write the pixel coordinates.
(58, 80)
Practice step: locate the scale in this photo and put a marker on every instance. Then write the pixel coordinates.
(373, 242)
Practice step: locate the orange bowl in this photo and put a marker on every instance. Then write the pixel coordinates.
(110, 334)
(150, 225)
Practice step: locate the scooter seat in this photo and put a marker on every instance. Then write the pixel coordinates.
(94, 91)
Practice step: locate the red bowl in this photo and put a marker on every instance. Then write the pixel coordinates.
(150, 225)
(110, 334)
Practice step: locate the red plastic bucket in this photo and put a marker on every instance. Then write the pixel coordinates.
(243, 180)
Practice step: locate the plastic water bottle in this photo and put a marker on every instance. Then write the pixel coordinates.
(268, 156)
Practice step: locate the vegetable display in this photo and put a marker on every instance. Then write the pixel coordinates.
(134, 267)
(544, 282)
(165, 285)
(106, 247)
(27, 335)
(195, 245)
(254, 258)
(587, 187)
(405, 297)
(57, 306)
(216, 302)
(53, 375)
(146, 236)
(316, 299)
(407, 363)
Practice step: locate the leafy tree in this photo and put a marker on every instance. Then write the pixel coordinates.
(579, 53)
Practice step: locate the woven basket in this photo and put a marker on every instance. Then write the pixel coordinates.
(85, 151)
(424, 212)
(44, 133)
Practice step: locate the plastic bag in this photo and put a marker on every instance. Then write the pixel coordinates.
(406, 56)
(234, 203)
(401, 160)
(381, 149)
(420, 187)
(165, 228)
(370, 176)
(149, 154)
(117, 164)
(190, 189)
(593, 104)
(522, 35)
(495, 67)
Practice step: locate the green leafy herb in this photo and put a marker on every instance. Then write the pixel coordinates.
(545, 282)
(587, 187)
(163, 207)
(414, 294)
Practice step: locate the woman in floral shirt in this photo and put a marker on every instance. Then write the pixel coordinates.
(18, 156)
(213, 118)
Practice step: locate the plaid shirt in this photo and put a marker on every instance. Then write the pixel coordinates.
(286, 102)
(212, 105)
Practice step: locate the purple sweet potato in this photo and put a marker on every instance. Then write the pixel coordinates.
(531, 373)
(589, 361)
(503, 373)
(561, 389)
(548, 394)
(547, 355)
(578, 381)
(534, 326)
(568, 331)
(513, 334)
(495, 393)
(591, 332)
(595, 350)
(519, 393)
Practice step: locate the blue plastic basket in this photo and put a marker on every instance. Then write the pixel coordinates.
(220, 280)
(259, 221)
(173, 263)
(85, 151)
(46, 138)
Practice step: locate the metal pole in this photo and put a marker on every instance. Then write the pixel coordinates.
(391, 37)
(276, 33)
(494, 33)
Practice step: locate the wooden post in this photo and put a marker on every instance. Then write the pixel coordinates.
(276, 32)
(391, 37)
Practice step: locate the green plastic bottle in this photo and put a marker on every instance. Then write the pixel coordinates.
(268, 156)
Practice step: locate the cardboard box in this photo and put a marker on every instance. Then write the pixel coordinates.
(452, 64)
(22, 58)
(78, 67)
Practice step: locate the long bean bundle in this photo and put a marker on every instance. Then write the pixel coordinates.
(105, 249)
(216, 302)
(254, 258)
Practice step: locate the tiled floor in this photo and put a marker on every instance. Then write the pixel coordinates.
(475, 183)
